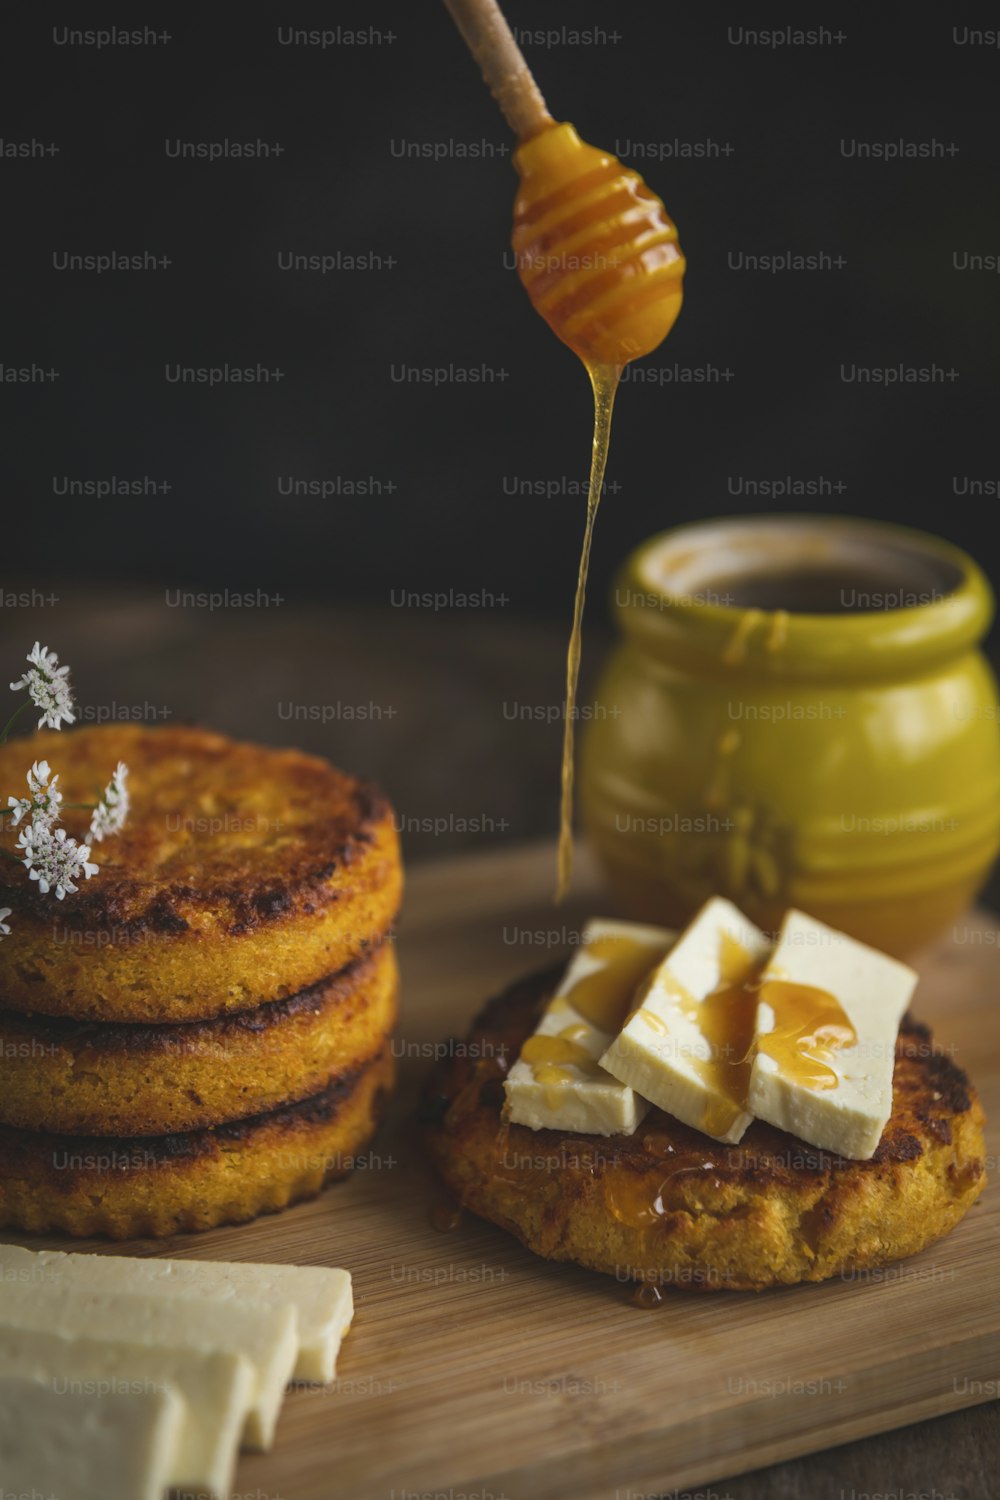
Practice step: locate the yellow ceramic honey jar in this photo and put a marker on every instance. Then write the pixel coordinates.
(798, 715)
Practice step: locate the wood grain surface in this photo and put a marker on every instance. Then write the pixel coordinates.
(474, 1368)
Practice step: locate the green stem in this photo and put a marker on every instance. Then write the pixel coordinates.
(7, 855)
(5, 731)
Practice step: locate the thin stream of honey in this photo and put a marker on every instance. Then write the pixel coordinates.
(604, 380)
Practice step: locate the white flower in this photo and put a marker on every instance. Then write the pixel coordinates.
(44, 801)
(48, 687)
(112, 810)
(54, 859)
(4, 914)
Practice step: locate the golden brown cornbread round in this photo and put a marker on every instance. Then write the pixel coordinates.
(82, 1078)
(243, 875)
(164, 1185)
(670, 1205)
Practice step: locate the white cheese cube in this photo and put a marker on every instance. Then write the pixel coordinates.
(557, 1082)
(321, 1297)
(264, 1335)
(79, 1447)
(829, 1012)
(686, 1047)
(217, 1391)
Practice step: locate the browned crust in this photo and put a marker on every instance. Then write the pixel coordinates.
(27, 1150)
(244, 875)
(770, 1210)
(309, 824)
(81, 1078)
(126, 1189)
(337, 991)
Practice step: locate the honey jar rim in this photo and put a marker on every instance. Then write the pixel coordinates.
(665, 602)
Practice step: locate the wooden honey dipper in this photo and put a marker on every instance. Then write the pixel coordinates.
(596, 250)
(598, 255)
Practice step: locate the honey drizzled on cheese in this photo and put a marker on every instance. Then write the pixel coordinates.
(725, 1019)
(552, 1057)
(810, 1027)
(603, 998)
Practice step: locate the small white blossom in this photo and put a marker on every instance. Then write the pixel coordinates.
(54, 859)
(48, 687)
(112, 810)
(45, 798)
(4, 928)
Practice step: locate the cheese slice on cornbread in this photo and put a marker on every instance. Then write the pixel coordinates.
(685, 1047)
(557, 1082)
(828, 1013)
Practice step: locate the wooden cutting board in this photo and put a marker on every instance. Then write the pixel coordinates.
(475, 1369)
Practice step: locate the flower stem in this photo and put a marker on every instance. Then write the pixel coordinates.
(5, 731)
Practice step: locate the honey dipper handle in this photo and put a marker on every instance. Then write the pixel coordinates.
(492, 44)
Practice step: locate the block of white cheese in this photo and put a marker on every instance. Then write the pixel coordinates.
(265, 1336)
(85, 1447)
(321, 1297)
(829, 1010)
(217, 1391)
(686, 1047)
(557, 1082)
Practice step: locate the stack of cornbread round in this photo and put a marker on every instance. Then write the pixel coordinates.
(201, 1032)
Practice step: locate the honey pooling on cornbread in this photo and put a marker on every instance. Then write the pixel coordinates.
(598, 255)
(203, 1033)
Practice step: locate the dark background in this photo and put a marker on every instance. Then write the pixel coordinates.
(477, 487)
(98, 571)
(342, 114)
